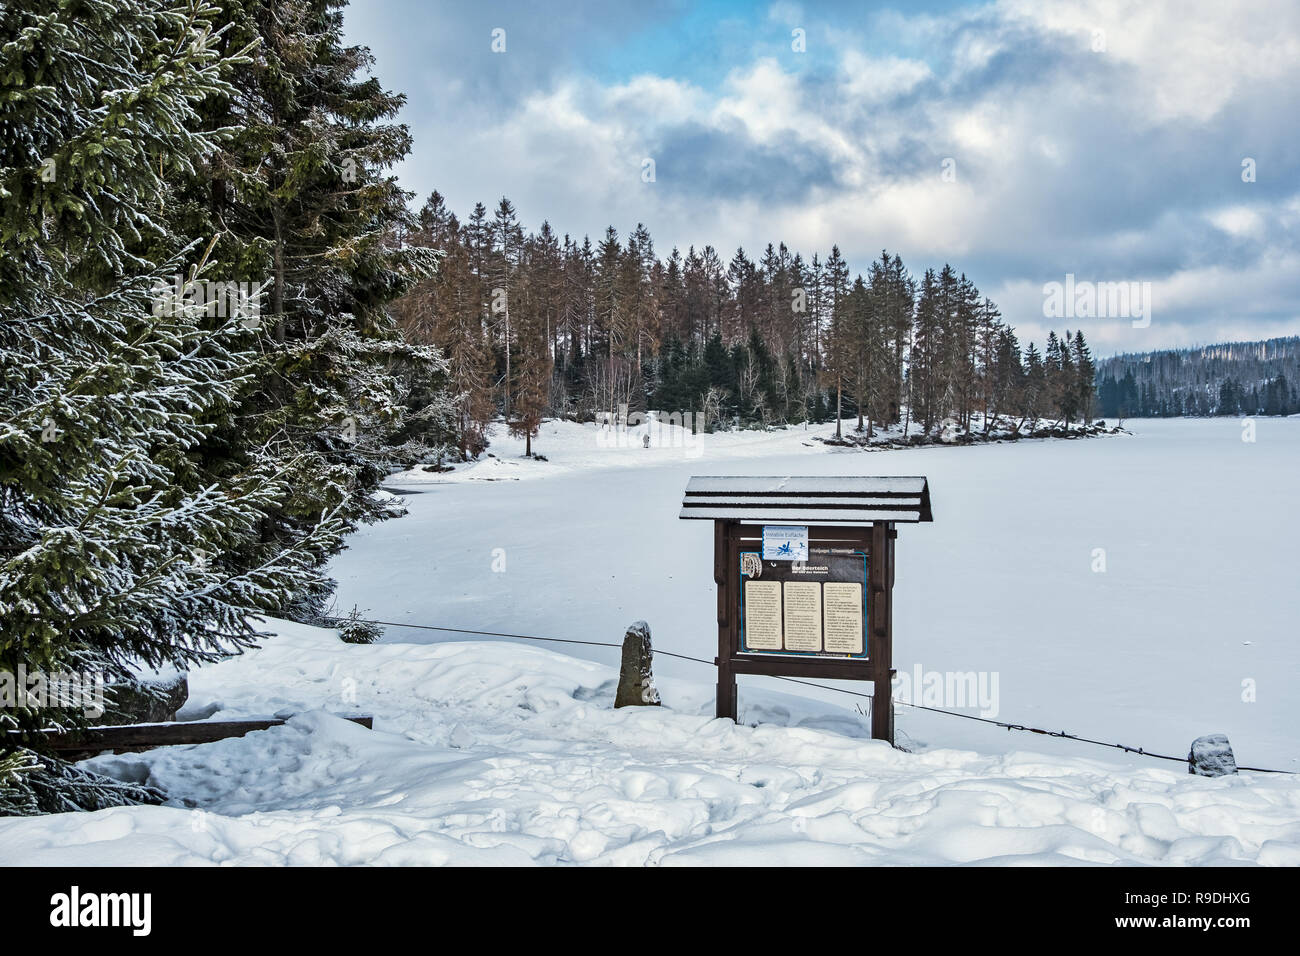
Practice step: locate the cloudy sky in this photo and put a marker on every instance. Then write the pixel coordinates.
(1020, 140)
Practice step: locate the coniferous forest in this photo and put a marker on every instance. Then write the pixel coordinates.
(536, 324)
(1237, 378)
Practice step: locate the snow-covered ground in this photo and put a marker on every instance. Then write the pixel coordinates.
(490, 753)
(493, 751)
(1190, 629)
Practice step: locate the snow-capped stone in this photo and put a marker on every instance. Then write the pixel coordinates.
(1211, 756)
(636, 683)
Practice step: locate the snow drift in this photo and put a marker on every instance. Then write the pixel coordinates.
(492, 753)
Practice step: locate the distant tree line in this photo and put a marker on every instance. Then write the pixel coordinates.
(535, 324)
(1238, 378)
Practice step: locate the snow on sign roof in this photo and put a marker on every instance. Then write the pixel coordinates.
(841, 499)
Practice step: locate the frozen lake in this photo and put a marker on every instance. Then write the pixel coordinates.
(1190, 629)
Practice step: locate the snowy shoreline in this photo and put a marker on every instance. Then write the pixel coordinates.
(567, 446)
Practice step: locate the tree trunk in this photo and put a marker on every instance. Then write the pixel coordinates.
(839, 407)
(507, 395)
(907, 419)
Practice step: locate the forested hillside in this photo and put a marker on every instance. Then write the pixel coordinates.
(1236, 378)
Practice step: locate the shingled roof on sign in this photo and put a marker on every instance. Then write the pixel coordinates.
(837, 499)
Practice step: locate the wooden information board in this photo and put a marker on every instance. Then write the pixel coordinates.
(814, 607)
(829, 616)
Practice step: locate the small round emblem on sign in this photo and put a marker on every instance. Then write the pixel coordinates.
(751, 566)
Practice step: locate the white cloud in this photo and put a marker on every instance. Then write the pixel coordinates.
(1238, 221)
(870, 80)
(1184, 59)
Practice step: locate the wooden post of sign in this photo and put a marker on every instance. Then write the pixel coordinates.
(881, 631)
(723, 572)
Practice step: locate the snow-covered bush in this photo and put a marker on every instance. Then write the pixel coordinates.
(354, 629)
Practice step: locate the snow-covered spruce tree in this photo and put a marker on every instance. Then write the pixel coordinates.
(112, 540)
(300, 198)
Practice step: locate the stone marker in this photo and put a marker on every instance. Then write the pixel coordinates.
(1211, 756)
(636, 683)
